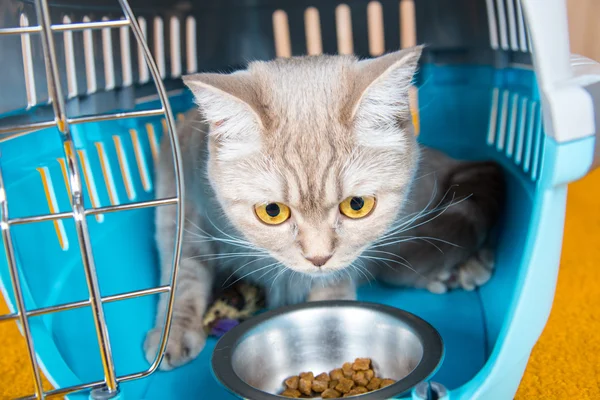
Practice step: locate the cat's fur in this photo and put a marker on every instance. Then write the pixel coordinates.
(310, 132)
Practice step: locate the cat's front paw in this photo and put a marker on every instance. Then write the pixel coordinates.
(471, 274)
(183, 346)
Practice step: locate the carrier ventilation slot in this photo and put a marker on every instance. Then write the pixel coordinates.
(506, 25)
(343, 25)
(59, 227)
(90, 62)
(144, 74)
(512, 25)
(28, 63)
(312, 29)
(107, 53)
(408, 26)
(175, 36)
(141, 162)
(375, 23)
(125, 40)
(512, 129)
(190, 43)
(124, 166)
(522, 31)
(515, 129)
(70, 60)
(63, 170)
(281, 32)
(413, 100)
(153, 140)
(159, 46)
(109, 180)
(90, 183)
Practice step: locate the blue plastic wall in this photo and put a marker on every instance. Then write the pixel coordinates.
(470, 112)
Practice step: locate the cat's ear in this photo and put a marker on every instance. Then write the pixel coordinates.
(380, 97)
(230, 104)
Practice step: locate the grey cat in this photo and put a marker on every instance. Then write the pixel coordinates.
(304, 175)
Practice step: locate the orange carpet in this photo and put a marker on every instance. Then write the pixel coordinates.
(565, 363)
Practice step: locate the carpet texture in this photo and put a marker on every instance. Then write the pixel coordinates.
(565, 363)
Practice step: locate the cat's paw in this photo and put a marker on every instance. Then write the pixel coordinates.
(471, 274)
(475, 272)
(183, 345)
(334, 292)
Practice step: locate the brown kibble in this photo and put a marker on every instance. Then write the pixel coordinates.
(352, 379)
(292, 382)
(347, 370)
(356, 391)
(322, 377)
(309, 376)
(374, 384)
(336, 374)
(345, 385)
(331, 394)
(293, 393)
(319, 386)
(386, 382)
(360, 379)
(305, 386)
(361, 364)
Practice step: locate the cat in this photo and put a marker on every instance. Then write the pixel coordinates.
(304, 175)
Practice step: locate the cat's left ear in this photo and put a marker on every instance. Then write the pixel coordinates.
(381, 87)
(230, 104)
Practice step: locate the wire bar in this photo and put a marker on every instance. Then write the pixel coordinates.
(132, 206)
(79, 26)
(122, 115)
(41, 218)
(20, 130)
(20, 31)
(66, 27)
(18, 291)
(26, 128)
(73, 170)
(94, 211)
(79, 304)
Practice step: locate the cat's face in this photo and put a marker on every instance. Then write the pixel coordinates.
(311, 158)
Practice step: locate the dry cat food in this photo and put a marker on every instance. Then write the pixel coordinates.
(350, 380)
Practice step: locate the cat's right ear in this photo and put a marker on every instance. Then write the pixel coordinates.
(230, 104)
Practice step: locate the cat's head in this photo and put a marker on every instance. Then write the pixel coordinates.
(311, 158)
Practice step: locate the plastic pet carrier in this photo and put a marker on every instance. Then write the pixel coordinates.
(88, 88)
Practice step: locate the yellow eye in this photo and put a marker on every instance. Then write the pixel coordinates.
(357, 206)
(272, 213)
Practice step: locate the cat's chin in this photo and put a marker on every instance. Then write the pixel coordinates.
(326, 272)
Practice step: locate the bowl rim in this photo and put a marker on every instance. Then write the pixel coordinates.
(430, 338)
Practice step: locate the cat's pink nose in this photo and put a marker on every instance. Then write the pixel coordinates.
(319, 261)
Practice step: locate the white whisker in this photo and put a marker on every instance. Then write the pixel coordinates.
(243, 266)
(251, 272)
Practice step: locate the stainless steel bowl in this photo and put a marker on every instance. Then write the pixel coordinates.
(253, 359)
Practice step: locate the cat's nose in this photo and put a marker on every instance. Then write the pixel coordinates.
(319, 261)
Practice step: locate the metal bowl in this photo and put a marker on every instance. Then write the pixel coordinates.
(254, 358)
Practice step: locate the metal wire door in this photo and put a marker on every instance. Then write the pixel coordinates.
(109, 386)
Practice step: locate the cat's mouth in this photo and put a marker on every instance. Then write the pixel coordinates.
(322, 271)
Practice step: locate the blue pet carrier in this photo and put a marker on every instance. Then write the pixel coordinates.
(81, 121)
